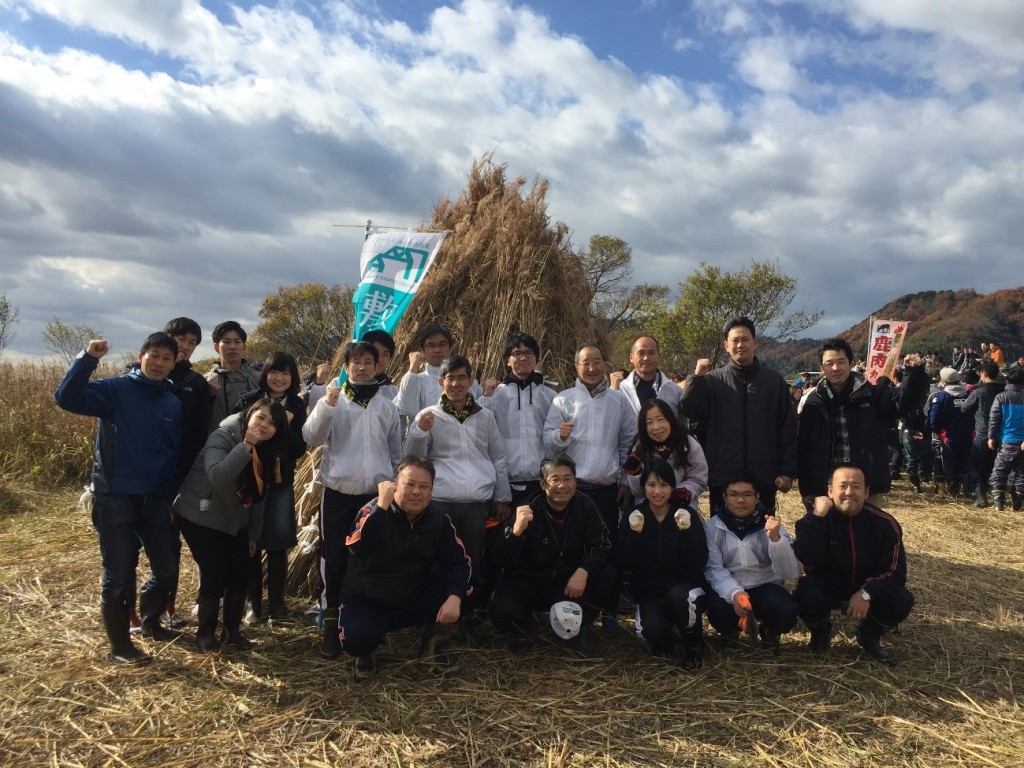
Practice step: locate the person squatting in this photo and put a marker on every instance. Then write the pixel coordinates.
(449, 503)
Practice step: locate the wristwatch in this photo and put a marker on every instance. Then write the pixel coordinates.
(865, 595)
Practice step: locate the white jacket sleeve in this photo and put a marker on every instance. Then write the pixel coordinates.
(784, 562)
(718, 576)
(318, 426)
(418, 442)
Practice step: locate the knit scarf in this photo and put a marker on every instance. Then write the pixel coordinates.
(742, 526)
(361, 392)
(601, 387)
(463, 413)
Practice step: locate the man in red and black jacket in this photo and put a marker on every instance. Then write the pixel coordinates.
(855, 561)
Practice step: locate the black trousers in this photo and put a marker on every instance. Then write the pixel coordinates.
(681, 606)
(338, 513)
(363, 623)
(223, 558)
(818, 597)
(772, 604)
(517, 596)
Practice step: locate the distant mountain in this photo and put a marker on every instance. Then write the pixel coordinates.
(938, 321)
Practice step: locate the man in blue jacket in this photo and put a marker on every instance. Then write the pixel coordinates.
(133, 481)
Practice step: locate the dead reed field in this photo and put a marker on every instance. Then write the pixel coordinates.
(953, 700)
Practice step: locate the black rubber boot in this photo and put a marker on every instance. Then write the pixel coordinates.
(206, 634)
(581, 644)
(915, 480)
(432, 648)
(254, 590)
(980, 500)
(151, 604)
(115, 622)
(691, 655)
(330, 644)
(868, 636)
(821, 636)
(277, 567)
(999, 498)
(234, 607)
(1016, 500)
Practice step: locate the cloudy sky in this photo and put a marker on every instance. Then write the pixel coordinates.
(167, 157)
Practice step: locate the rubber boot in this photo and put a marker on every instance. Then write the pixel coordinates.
(151, 604)
(234, 606)
(277, 567)
(691, 656)
(980, 500)
(941, 489)
(432, 643)
(915, 480)
(330, 643)
(953, 484)
(999, 498)
(115, 622)
(821, 636)
(1016, 500)
(206, 633)
(255, 589)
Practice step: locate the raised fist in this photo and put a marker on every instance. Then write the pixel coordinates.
(415, 361)
(615, 379)
(323, 372)
(425, 421)
(97, 348)
(636, 520)
(682, 518)
(524, 516)
(703, 366)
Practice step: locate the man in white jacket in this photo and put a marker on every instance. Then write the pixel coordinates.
(420, 389)
(647, 381)
(750, 555)
(361, 435)
(462, 440)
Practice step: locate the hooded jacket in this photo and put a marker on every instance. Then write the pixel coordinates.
(233, 384)
(946, 416)
(135, 452)
(1006, 419)
(520, 413)
(736, 565)
(661, 555)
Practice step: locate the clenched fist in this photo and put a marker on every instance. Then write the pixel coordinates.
(636, 520)
(682, 517)
(524, 516)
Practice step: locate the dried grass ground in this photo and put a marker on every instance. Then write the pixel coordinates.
(952, 701)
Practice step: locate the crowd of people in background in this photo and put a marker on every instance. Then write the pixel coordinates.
(467, 507)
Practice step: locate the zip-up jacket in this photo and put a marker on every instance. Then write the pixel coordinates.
(209, 495)
(947, 418)
(296, 444)
(469, 457)
(421, 390)
(604, 428)
(745, 419)
(693, 475)
(233, 384)
(362, 446)
(135, 452)
(979, 404)
(664, 389)
(660, 555)
(546, 551)
(867, 408)
(1006, 419)
(392, 560)
(520, 413)
(864, 551)
(736, 565)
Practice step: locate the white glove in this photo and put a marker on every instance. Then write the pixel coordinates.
(682, 517)
(636, 520)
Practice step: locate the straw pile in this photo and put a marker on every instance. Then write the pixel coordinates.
(954, 700)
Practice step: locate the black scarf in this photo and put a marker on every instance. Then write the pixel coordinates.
(742, 526)
(382, 379)
(361, 392)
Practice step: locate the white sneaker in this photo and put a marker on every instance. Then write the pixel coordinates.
(250, 615)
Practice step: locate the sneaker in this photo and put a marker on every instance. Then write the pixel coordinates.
(364, 667)
(581, 644)
(432, 651)
(251, 617)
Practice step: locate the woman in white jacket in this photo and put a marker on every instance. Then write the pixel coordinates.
(750, 555)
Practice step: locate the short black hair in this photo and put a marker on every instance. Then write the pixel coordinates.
(836, 345)
(548, 465)
(847, 465)
(222, 329)
(385, 339)
(182, 326)
(740, 477)
(453, 363)
(736, 322)
(159, 340)
(281, 361)
(661, 468)
(1015, 376)
(419, 462)
(990, 369)
(972, 376)
(521, 338)
(354, 348)
(434, 330)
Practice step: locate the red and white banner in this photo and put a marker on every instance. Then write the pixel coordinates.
(885, 341)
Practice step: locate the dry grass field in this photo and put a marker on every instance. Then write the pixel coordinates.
(953, 700)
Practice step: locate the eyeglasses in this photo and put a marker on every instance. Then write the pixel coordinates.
(738, 495)
(460, 379)
(522, 354)
(436, 345)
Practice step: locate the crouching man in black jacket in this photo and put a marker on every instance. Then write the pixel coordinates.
(554, 550)
(855, 560)
(406, 568)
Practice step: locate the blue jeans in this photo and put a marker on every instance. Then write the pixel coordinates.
(122, 522)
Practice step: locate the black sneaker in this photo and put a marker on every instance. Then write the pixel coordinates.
(364, 667)
(821, 637)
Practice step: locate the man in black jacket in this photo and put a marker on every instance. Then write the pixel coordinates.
(855, 561)
(979, 402)
(406, 568)
(554, 549)
(743, 416)
(843, 420)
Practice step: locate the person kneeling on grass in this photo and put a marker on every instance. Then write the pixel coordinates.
(750, 555)
(406, 568)
(554, 550)
(855, 561)
(662, 544)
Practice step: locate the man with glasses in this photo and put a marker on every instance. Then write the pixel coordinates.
(750, 556)
(462, 441)
(419, 388)
(646, 382)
